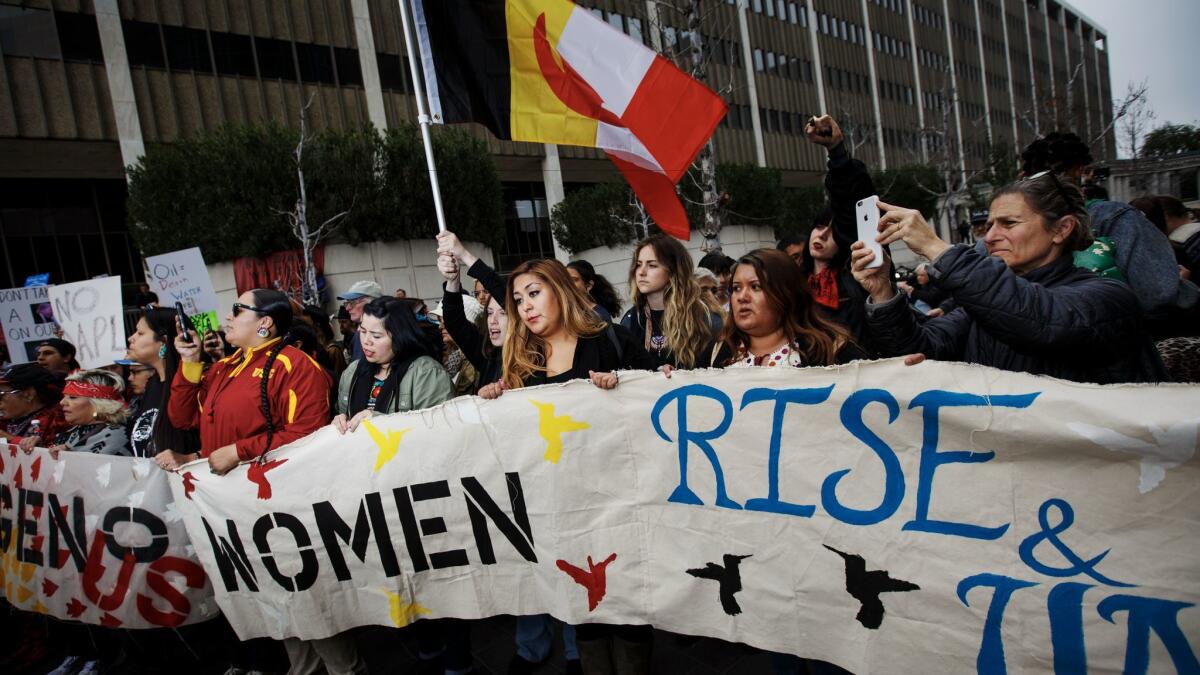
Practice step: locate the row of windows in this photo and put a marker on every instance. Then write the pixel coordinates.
(842, 29)
(900, 138)
(784, 11)
(963, 32)
(894, 91)
(998, 82)
(896, 6)
(929, 17)
(931, 59)
(968, 71)
(792, 67)
(1001, 117)
(847, 80)
(890, 45)
(935, 100)
(993, 45)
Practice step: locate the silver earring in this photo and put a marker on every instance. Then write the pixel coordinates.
(263, 332)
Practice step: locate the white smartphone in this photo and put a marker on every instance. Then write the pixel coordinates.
(866, 214)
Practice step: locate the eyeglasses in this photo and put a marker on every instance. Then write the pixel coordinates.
(6, 392)
(1062, 191)
(238, 307)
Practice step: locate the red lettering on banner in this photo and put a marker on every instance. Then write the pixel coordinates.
(94, 571)
(156, 579)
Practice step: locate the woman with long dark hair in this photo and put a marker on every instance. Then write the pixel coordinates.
(774, 320)
(399, 370)
(267, 374)
(290, 394)
(150, 429)
(598, 288)
(668, 314)
(557, 337)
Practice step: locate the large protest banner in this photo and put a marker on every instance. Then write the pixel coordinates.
(182, 276)
(937, 518)
(96, 539)
(26, 318)
(91, 317)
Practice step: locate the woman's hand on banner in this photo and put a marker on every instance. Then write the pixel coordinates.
(666, 369)
(603, 380)
(169, 460)
(29, 443)
(344, 425)
(492, 390)
(224, 460)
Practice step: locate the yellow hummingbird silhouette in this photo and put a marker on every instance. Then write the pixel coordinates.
(389, 443)
(551, 428)
(404, 613)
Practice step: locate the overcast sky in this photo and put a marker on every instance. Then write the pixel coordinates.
(1153, 40)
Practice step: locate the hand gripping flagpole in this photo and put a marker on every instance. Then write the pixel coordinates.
(422, 114)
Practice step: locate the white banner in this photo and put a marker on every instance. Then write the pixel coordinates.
(96, 539)
(939, 518)
(27, 319)
(92, 319)
(182, 276)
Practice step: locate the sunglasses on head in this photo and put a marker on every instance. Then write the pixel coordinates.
(1062, 191)
(238, 307)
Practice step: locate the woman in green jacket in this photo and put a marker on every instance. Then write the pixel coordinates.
(399, 370)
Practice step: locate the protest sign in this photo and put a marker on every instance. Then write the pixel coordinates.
(96, 539)
(26, 318)
(182, 276)
(937, 518)
(92, 319)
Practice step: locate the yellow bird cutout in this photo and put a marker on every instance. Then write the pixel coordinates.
(404, 613)
(552, 427)
(389, 443)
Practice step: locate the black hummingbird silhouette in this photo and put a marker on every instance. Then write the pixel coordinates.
(729, 579)
(866, 586)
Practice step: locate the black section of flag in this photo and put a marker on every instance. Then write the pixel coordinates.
(469, 43)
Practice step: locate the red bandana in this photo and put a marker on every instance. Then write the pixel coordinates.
(824, 287)
(80, 389)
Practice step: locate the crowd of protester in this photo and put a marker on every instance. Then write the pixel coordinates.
(1059, 281)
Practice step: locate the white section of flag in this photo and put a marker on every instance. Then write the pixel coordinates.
(610, 61)
(621, 142)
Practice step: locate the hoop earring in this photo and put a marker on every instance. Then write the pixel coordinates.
(162, 352)
(263, 332)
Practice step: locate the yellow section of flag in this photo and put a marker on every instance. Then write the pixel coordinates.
(537, 114)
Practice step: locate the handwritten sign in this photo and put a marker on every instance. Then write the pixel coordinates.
(27, 318)
(182, 276)
(92, 319)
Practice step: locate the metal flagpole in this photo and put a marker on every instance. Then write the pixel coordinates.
(422, 114)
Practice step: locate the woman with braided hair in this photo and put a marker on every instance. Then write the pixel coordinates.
(266, 373)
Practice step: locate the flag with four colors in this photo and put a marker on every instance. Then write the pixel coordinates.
(548, 71)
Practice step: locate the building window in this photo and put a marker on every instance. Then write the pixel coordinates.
(316, 63)
(758, 60)
(349, 68)
(78, 37)
(143, 44)
(275, 60)
(635, 29)
(187, 49)
(233, 54)
(28, 32)
(393, 72)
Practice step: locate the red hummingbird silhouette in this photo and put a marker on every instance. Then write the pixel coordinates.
(189, 484)
(257, 474)
(35, 468)
(592, 579)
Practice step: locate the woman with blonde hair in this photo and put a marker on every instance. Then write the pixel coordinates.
(556, 337)
(668, 314)
(93, 404)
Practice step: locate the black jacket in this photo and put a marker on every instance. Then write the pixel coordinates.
(475, 346)
(1057, 320)
(634, 321)
(847, 181)
(610, 350)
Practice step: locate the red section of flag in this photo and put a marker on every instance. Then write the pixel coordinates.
(673, 115)
(567, 84)
(657, 193)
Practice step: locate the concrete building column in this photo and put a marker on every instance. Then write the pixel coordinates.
(1008, 69)
(912, 40)
(120, 82)
(760, 151)
(1033, 97)
(987, 105)
(552, 179)
(874, 85)
(815, 47)
(962, 157)
(365, 39)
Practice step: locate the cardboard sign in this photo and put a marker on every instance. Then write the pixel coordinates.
(182, 276)
(27, 318)
(91, 316)
(942, 518)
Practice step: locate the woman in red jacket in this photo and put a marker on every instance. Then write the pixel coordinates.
(267, 394)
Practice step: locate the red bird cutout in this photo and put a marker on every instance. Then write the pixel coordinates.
(189, 484)
(12, 449)
(17, 481)
(593, 579)
(35, 468)
(75, 608)
(63, 557)
(49, 588)
(257, 474)
(110, 621)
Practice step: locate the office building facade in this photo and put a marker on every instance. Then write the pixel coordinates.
(86, 85)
